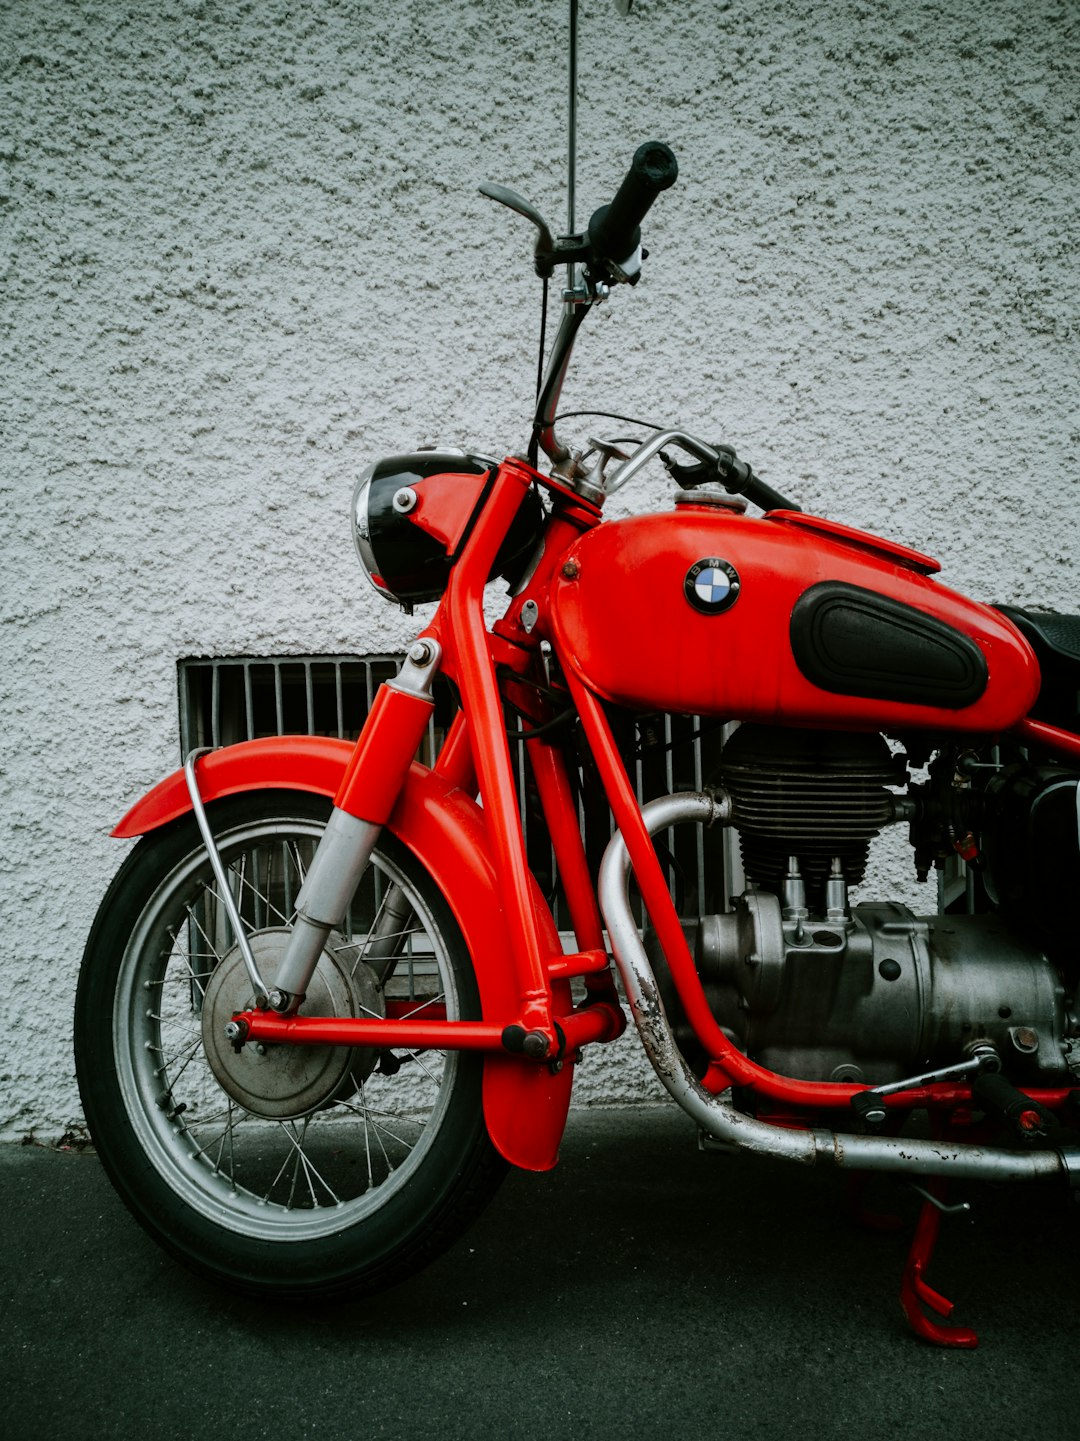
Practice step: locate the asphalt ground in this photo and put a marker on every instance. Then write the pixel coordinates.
(642, 1288)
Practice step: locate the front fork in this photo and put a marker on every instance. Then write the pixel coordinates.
(520, 976)
(392, 733)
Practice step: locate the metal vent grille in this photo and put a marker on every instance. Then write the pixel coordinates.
(230, 699)
(223, 701)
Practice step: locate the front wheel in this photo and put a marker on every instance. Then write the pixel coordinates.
(300, 1171)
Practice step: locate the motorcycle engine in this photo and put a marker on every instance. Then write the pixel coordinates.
(812, 987)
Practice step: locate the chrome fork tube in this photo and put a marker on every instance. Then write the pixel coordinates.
(339, 862)
(340, 859)
(345, 848)
(716, 1115)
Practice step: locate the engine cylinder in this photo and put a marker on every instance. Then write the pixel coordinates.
(816, 795)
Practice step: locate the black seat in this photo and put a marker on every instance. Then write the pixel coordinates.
(1055, 639)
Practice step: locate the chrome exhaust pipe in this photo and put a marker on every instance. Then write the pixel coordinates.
(716, 1115)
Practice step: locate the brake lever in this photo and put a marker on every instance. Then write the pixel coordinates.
(549, 252)
(689, 477)
(733, 474)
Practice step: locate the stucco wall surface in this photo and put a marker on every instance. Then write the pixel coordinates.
(242, 253)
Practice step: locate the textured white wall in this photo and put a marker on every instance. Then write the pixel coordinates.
(242, 253)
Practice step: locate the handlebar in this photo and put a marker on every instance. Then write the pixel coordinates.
(715, 465)
(611, 243)
(758, 493)
(737, 478)
(615, 229)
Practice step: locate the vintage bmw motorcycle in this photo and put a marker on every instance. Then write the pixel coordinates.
(325, 1001)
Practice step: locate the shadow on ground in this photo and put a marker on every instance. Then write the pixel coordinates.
(642, 1288)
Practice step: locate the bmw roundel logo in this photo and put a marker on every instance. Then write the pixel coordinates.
(712, 585)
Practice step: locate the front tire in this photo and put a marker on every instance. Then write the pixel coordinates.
(380, 1167)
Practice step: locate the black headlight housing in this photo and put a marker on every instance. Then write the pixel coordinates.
(405, 563)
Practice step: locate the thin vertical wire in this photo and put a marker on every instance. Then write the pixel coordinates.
(215, 705)
(249, 702)
(188, 712)
(571, 157)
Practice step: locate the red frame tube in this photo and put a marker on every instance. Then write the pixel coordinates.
(454, 762)
(590, 1023)
(468, 659)
(1038, 733)
(560, 813)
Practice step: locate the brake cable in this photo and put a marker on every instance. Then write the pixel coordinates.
(543, 338)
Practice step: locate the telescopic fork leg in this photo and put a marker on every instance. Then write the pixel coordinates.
(368, 791)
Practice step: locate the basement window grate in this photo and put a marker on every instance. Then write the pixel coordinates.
(230, 699)
(223, 701)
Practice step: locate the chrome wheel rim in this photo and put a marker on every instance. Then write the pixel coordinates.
(297, 1179)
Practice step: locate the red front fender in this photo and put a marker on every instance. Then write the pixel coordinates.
(525, 1105)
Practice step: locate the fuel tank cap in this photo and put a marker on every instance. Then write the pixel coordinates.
(711, 500)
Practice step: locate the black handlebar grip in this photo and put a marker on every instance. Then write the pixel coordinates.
(615, 229)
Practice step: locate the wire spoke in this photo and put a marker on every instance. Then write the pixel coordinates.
(369, 1127)
(258, 894)
(297, 862)
(216, 1115)
(296, 1170)
(193, 918)
(183, 951)
(232, 1153)
(347, 945)
(188, 1051)
(427, 1001)
(310, 1169)
(369, 1113)
(421, 1059)
(193, 1124)
(227, 1133)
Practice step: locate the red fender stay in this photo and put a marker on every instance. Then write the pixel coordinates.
(525, 1105)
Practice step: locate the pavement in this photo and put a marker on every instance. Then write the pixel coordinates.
(640, 1289)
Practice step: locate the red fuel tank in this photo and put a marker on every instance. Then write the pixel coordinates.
(706, 611)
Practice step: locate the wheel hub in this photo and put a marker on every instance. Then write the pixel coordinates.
(283, 1082)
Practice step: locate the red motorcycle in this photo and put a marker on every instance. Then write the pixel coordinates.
(325, 1001)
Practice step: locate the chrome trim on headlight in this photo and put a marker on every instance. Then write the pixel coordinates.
(361, 529)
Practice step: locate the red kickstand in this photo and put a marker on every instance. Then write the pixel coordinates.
(914, 1289)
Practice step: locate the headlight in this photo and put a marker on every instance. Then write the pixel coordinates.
(403, 562)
